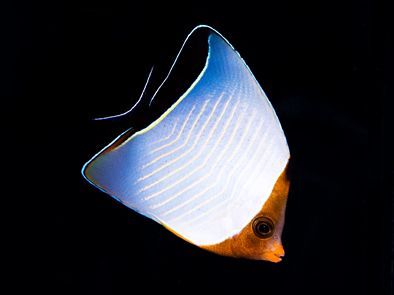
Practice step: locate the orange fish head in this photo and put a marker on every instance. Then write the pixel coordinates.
(261, 238)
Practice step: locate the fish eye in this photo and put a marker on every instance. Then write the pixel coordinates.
(263, 227)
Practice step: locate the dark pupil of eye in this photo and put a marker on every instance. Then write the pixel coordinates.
(263, 228)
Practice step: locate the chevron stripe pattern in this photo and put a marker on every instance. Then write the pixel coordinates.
(207, 166)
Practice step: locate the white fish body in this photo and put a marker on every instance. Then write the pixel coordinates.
(207, 166)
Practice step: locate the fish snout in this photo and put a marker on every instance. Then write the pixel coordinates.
(275, 254)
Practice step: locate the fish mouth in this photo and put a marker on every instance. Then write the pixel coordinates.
(273, 257)
(275, 254)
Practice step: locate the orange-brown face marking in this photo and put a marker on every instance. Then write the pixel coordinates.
(261, 238)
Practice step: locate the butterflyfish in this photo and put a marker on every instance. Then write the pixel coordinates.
(212, 168)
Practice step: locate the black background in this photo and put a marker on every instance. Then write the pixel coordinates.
(325, 65)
